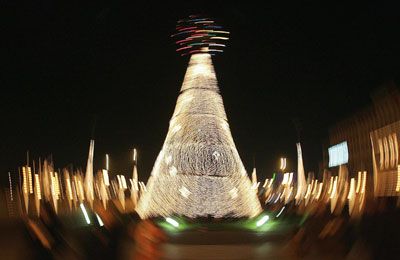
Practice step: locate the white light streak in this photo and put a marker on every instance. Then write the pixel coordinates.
(85, 213)
(99, 220)
(262, 221)
(123, 182)
(301, 179)
(280, 212)
(172, 221)
(283, 164)
(134, 155)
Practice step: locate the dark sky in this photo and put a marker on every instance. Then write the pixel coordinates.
(66, 66)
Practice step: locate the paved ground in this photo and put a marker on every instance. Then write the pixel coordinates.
(374, 239)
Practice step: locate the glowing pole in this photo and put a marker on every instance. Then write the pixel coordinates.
(282, 166)
(122, 186)
(85, 214)
(25, 187)
(135, 187)
(301, 179)
(89, 176)
(104, 188)
(38, 193)
(46, 179)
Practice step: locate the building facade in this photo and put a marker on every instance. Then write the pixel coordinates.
(372, 141)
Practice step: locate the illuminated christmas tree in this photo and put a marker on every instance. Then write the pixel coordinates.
(198, 171)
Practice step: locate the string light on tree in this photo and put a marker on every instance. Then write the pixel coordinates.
(198, 171)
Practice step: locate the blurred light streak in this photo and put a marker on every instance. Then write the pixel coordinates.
(99, 220)
(134, 155)
(364, 182)
(352, 189)
(171, 221)
(262, 221)
(398, 179)
(10, 185)
(85, 214)
(334, 188)
(280, 212)
(301, 180)
(107, 162)
(319, 191)
(37, 187)
(358, 182)
(282, 164)
(106, 178)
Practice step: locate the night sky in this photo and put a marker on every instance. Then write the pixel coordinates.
(74, 70)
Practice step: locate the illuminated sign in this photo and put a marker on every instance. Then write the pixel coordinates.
(338, 154)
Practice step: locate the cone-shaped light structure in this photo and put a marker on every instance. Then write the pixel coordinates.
(198, 171)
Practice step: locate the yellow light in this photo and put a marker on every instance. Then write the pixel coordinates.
(330, 185)
(123, 182)
(198, 146)
(351, 190)
(37, 185)
(314, 190)
(334, 188)
(364, 182)
(119, 181)
(24, 181)
(265, 183)
(69, 189)
(283, 164)
(134, 154)
(285, 179)
(319, 191)
(106, 178)
(398, 178)
(358, 182)
(30, 180)
(309, 188)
